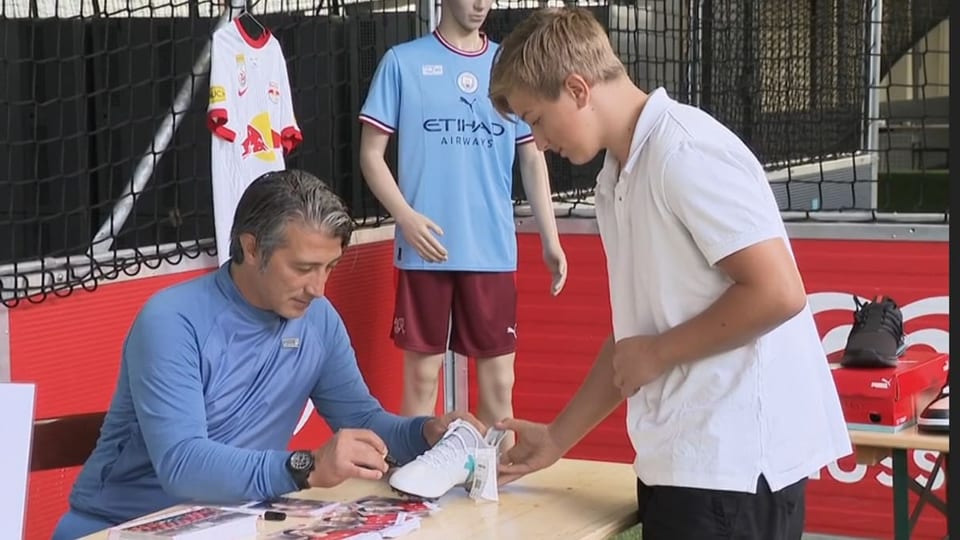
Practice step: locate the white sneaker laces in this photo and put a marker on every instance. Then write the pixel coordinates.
(451, 448)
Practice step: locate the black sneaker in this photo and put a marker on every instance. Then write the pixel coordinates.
(876, 339)
(936, 416)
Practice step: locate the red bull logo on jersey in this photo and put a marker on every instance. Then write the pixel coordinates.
(261, 141)
(273, 93)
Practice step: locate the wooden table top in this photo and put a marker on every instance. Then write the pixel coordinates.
(910, 439)
(573, 499)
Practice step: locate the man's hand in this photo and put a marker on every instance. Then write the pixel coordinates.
(536, 449)
(418, 231)
(351, 453)
(434, 428)
(556, 262)
(636, 363)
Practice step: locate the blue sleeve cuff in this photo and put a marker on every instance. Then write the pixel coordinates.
(417, 443)
(281, 482)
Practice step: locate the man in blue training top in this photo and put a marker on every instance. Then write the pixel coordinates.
(455, 174)
(215, 373)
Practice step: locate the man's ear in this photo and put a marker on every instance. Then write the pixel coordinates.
(249, 244)
(576, 86)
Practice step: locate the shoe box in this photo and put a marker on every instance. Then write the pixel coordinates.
(889, 399)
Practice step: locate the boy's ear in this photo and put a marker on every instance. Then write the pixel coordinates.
(578, 89)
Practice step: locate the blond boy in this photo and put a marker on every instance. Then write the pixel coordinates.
(730, 402)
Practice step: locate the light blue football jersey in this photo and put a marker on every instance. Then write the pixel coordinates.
(455, 152)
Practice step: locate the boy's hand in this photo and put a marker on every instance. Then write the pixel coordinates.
(556, 261)
(536, 449)
(419, 232)
(635, 363)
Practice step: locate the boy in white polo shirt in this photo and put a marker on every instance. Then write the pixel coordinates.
(730, 401)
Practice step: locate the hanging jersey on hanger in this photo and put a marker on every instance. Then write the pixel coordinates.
(251, 118)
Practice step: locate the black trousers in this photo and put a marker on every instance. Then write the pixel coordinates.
(678, 513)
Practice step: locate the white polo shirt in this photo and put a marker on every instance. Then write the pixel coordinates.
(691, 194)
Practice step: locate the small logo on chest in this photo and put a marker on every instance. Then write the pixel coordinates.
(290, 343)
(468, 102)
(467, 82)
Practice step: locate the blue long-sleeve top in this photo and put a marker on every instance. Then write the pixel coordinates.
(209, 393)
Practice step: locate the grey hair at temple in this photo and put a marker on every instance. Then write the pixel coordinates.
(277, 198)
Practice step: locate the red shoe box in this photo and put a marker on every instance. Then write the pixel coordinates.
(889, 399)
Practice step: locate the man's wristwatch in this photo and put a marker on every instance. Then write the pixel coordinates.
(301, 464)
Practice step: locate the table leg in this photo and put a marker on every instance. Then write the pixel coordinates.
(901, 507)
(925, 493)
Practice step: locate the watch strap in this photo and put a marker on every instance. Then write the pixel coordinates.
(300, 464)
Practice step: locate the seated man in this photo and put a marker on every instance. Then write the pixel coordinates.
(215, 373)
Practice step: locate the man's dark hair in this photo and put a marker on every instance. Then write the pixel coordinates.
(277, 198)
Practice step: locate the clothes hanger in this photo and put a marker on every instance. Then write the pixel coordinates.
(250, 24)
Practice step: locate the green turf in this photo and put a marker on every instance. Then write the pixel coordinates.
(913, 191)
(633, 533)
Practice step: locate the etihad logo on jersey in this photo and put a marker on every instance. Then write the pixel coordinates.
(261, 141)
(465, 131)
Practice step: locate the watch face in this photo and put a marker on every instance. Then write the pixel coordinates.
(301, 461)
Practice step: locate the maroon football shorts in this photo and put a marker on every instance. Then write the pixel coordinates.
(483, 306)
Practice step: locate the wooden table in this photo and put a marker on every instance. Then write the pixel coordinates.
(573, 499)
(872, 447)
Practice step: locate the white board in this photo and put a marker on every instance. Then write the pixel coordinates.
(16, 432)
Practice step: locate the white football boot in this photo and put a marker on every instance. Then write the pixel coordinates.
(448, 464)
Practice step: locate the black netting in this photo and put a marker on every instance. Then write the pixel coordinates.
(788, 76)
(913, 139)
(837, 128)
(87, 85)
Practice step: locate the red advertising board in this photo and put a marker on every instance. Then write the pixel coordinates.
(558, 338)
(70, 347)
(848, 498)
